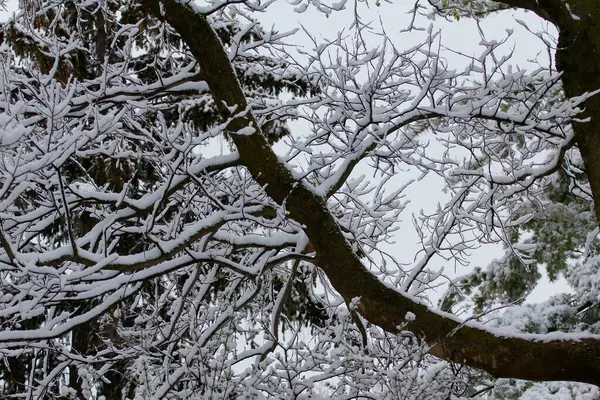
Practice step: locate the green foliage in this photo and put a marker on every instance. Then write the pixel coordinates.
(504, 282)
(466, 8)
(560, 227)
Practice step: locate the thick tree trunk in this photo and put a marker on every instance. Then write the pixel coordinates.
(578, 57)
(526, 357)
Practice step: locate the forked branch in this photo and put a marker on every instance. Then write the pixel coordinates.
(531, 357)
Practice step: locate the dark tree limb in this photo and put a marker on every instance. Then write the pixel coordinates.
(510, 357)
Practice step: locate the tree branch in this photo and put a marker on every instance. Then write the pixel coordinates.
(530, 357)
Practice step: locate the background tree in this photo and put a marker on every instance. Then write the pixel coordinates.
(94, 25)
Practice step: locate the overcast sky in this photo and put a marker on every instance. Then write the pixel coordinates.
(462, 36)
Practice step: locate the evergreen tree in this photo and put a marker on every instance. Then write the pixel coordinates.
(114, 55)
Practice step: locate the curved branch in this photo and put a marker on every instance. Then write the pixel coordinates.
(531, 357)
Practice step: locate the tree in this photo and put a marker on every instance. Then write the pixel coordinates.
(188, 267)
(101, 169)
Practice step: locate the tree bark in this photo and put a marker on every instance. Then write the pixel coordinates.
(578, 57)
(522, 357)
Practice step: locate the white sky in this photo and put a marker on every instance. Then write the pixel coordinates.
(462, 36)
